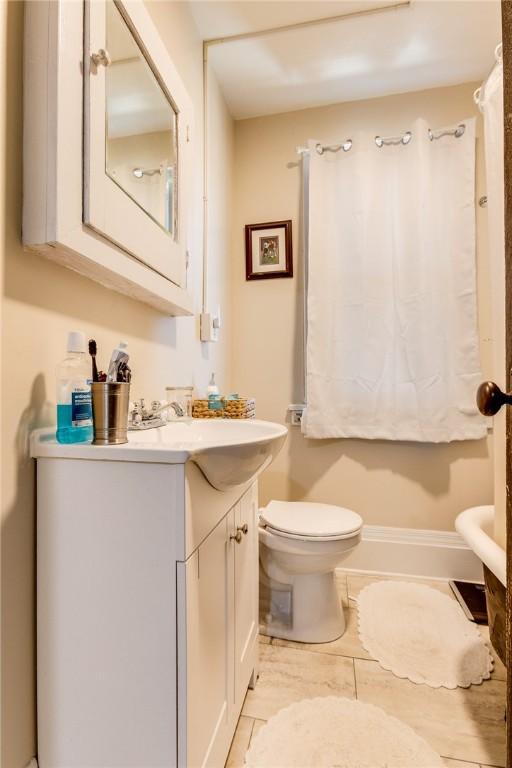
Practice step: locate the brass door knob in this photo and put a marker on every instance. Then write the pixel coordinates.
(490, 398)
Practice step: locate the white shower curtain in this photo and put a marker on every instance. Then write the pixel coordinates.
(392, 344)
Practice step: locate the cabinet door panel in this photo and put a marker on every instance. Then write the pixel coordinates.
(204, 662)
(118, 207)
(246, 592)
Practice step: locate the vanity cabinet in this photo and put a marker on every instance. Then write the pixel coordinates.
(246, 594)
(108, 149)
(147, 585)
(220, 615)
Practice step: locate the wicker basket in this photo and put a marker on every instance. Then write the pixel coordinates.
(243, 408)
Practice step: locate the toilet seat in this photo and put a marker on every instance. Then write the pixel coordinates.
(309, 521)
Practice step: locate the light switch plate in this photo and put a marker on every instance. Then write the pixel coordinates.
(209, 327)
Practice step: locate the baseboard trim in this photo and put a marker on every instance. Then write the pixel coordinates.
(413, 552)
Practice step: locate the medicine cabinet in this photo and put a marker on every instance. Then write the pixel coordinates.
(108, 142)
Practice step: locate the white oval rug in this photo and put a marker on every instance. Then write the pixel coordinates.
(418, 633)
(332, 732)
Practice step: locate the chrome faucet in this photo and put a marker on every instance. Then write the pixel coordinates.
(176, 407)
(143, 418)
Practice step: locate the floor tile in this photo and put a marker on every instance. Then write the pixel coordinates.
(264, 639)
(465, 724)
(357, 581)
(240, 743)
(288, 675)
(450, 763)
(256, 727)
(348, 644)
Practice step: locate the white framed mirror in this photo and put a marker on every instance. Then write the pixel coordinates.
(137, 121)
(141, 127)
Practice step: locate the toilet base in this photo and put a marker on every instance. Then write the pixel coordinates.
(316, 612)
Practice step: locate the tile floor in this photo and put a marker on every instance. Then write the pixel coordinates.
(466, 726)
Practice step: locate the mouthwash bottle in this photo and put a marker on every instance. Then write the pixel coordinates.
(74, 404)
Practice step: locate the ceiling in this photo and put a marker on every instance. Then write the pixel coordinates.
(427, 44)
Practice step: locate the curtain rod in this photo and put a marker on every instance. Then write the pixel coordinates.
(303, 24)
(498, 56)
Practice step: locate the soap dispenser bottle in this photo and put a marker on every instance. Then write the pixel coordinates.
(212, 388)
(74, 404)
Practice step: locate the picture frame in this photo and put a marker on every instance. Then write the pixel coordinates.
(268, 250)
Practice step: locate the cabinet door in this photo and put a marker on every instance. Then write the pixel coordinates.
(137, 120)
(205, 651)
(246, 592)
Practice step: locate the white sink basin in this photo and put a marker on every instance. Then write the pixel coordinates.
(228, 452)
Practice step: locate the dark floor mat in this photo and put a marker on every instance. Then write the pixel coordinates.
(472, 600)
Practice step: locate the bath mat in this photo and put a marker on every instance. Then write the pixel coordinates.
(333, 732)
(418, 633)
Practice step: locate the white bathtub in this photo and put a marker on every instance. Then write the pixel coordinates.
(476, 526)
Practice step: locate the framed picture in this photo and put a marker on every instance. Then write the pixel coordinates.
(268, 250)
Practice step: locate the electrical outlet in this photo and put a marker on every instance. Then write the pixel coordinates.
(296, 418)
(296, 412)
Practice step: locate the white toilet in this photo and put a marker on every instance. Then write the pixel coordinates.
(301, 544)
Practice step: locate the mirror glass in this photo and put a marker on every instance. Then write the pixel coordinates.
(141, 127)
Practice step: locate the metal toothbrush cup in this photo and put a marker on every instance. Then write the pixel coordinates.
(110, 412)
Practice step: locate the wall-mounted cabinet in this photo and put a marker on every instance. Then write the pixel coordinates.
(108, 136)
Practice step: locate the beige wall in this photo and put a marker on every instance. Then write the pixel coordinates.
(397, 484)
(42, 301)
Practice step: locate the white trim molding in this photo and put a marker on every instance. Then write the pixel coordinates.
(414, 552)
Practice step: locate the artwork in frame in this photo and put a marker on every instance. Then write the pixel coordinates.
(268, 250)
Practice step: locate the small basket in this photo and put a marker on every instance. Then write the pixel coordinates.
(243, 408)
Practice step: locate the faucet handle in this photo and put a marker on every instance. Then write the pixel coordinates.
(137, 411)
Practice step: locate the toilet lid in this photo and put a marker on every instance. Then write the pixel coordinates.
(303, 518)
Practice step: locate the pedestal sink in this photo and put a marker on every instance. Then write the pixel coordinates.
(229, 452)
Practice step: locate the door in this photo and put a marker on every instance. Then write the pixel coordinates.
(507, 323)
(205, 650)
(246, 591)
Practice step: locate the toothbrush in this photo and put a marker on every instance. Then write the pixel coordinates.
(92, 352)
